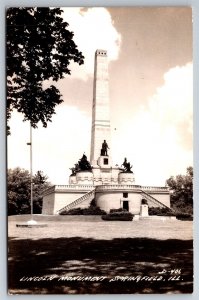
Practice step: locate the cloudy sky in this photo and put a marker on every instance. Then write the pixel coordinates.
(150, 71)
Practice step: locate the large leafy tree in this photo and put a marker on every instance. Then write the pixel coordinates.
(18, 186)
(39, 48)
(181, 188)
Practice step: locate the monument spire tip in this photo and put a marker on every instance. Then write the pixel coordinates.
(101, 52)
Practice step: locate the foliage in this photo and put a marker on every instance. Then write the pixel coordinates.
(18, 187)
(73, 211)
(181, 188)
(158, 211)
(124, 217)
(39, 48)
(184, 216)
(144, 201)
(91, 210)
(118, 211)
(118, 215)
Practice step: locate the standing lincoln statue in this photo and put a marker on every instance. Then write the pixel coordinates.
(104, 149)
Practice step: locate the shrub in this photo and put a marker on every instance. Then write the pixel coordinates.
(144, 201)
(110, 217)
(92, 210)
(158, 211)
(119, 211)
(182, 208)
(154, 211)
(73, 211)
(184, 216)
(118, 215)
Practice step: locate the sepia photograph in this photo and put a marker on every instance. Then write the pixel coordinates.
(99, 150)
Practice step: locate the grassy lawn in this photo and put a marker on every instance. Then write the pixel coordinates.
(108, 257)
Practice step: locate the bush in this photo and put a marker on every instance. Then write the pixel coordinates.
(144, 201)
(119, 211)
(118, 215)
(158, 211)
(127, 217)
(74, 211)
(92, 210)
(184, 216)
(182, 208)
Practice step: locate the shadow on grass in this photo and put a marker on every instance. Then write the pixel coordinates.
(78, 256)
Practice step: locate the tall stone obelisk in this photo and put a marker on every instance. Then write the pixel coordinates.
(100, 111)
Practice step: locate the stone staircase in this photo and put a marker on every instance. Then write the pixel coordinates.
(150, 198)
(86, 197)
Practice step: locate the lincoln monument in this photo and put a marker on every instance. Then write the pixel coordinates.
(111, 187)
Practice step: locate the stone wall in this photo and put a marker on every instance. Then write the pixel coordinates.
(63, 199)
(114, 200)
(163, 198)
(48, 204)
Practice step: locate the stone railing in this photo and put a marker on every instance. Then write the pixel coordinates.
(69, 187)
(155, 188)
(73, 187)
(101, 188)
(131, 187)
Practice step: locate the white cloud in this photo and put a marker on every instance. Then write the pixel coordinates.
(158, 140)
(93, 29)
(172, 103)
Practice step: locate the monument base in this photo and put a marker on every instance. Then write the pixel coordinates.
(104, 161)
(144, 210)
(126, 178)
(31, 224)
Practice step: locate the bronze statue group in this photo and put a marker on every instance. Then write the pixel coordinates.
(84, 165)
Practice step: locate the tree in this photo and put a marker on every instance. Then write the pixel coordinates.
(18, 186)
(181, 188)
(40, 183)
(39, 48)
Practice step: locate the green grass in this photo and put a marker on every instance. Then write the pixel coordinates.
(68, 247)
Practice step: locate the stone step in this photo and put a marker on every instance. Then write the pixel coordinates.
(87, 196)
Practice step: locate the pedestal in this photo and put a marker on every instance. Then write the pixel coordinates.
(104, 162)
(126, 178)
(144, 210)
(84, 177)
